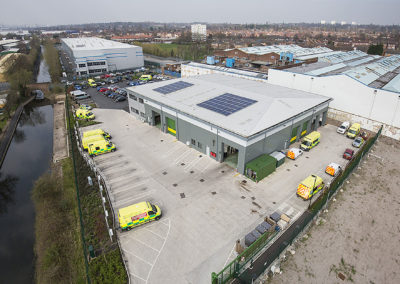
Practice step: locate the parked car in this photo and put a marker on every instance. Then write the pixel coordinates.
(85, 106)
(102, 90)
(294, 153)
(77, 87)
(119, 99)
(358, 142)
(333, 169)
(343, 128)
(348, 154)
(108, 92)
(364, 135)
(100, 83)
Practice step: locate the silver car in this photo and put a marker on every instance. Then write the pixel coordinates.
(358, 142)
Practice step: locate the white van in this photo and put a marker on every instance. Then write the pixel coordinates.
(343, 128)
(79, 95)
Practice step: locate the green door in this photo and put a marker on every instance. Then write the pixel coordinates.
(171, 126)
(294, 135)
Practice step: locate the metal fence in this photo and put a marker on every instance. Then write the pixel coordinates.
(261, 254)
(104, 190)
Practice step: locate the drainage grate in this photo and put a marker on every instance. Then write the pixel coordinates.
(191, 172)
(182, 164)
(273, 202)
(164, 173)
(213, 192)
(307, 157)
(175, 185)
(295, 165)
(200, 156)
(183, 195)
(253, 198)
(244, 181)
(222, 171)
(202, 180)
(162, 140)
(288, 170)
(243, 197)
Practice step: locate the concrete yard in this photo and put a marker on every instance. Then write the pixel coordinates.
(205, 205)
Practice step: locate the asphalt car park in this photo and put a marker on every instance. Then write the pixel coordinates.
(206, 205)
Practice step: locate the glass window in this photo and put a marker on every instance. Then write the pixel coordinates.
(82, 65)
(199, 145)
(193, 142)
(140, 100)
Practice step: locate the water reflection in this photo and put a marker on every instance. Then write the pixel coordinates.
(28, 157)
(7, 190)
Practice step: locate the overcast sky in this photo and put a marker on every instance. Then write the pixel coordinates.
(53, 12)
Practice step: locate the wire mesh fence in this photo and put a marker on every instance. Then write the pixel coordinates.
(261, 254)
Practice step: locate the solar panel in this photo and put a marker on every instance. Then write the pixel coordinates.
(173, 87)
(227, 104)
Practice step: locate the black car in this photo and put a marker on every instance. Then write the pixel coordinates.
(108, 92)
(119, 99)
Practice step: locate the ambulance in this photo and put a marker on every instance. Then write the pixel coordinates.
(92, 83)
(353, 130)
(310, 141)
(145, 78)
(310, 186)
(100, 147)
(138, 214)
(96, 132)
(91, 139)
(333, 169)
(84, 114)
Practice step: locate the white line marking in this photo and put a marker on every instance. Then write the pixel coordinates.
(134, 275)
(165, 241)
(131, 199)
(132, 187)
(161, 237)
(229, 256)
(143, 243)
(138, 257)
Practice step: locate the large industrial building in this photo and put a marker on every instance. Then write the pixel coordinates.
(229, 118)
(93, 56)
(199, 32)
(365, 88)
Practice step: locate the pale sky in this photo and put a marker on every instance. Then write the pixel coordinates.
(53, 12)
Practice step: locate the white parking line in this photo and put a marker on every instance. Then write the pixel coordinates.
(162, 247)
(131, 237)
(161, 237)
(129, 200)
(138, 257)
(229, 256)
(134, 275)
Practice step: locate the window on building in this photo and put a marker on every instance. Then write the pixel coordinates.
(82, 65)
(304, 129)
(132, 97)
(140, 100)
(89, 64)
(142, 114)
(213, 143)
(83, 72)
(193, 142)
(134, 110)
(199, 145)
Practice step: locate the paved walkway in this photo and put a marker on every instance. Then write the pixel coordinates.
(60, 138)
(8, 134)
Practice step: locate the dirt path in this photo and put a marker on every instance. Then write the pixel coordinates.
(358, 238)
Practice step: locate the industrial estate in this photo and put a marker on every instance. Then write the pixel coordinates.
(215, 162)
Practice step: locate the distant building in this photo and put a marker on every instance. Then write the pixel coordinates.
(343, 23)
(199, 32)
(323, 22)
(333, 22)
(93, 56)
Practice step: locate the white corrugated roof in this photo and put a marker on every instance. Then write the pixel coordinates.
(93, 43)
(274, 103)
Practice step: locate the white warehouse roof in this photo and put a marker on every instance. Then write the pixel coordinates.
(274, 104)
(93, 43)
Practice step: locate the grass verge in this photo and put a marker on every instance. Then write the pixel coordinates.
(58, 246)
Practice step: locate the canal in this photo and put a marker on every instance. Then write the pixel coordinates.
(28, 157)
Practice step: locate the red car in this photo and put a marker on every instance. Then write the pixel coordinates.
(107, 76)
(348, 154)
(103, 90)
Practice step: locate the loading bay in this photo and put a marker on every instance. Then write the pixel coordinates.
(206, 206)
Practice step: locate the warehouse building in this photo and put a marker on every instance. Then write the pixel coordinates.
(230, 119)
(93, 56)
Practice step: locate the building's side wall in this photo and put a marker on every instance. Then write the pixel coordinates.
(368, 106)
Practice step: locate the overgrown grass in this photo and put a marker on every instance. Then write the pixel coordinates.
(83, 123)
(107, 269)
(58, 246)
(52, 60)
(192, 51)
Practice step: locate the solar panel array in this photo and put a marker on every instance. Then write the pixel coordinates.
(227, 104)
(173, 87)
